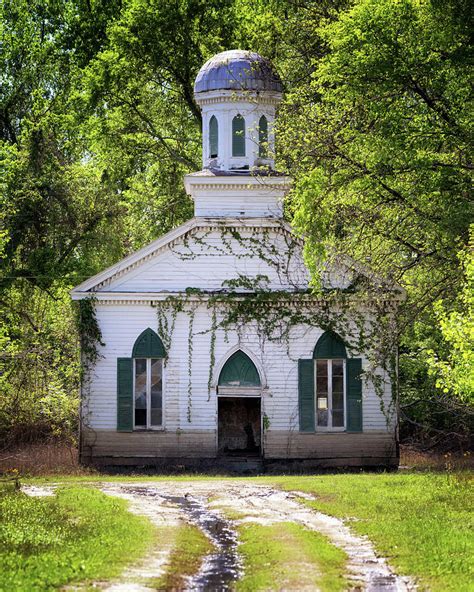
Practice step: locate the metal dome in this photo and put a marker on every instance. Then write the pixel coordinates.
(237, 70)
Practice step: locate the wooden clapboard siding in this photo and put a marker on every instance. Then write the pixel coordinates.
(205, 263)
(149, 444)
(122, 324)
(324, 450)
(233, 203)
(329, 446)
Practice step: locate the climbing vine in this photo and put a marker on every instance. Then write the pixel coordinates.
(191, 315)
(363, 314)
(166, 313)
(90, 334)
(212, 351)
(90, 337)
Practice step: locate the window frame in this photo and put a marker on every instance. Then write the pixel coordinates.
(148, 426)
(238, 116)
(211, 119)
(329, 362)
(263, 138)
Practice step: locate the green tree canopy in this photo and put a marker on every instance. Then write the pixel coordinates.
(384, 164)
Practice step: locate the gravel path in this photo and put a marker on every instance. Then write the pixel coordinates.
(162, 502)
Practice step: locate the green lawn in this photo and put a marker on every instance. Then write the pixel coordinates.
(421, 522)
(79, 534)
(287, 556)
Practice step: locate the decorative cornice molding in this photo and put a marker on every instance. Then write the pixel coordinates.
(206, 186)
(148, 299)
(234, 96)
(243, 183)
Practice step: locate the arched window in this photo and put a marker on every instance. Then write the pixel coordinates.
(213, 137)
(148, 353)
(238, 371)
(330, 388)
(263, 137)
(330, 346)
(330, 370)
(238, 136)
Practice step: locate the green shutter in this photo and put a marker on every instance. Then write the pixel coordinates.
(354, 395)
(238, 136)
(124, 394)
(213, 137)
(306, 395)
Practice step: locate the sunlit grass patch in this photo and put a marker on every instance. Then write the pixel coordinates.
(79, 534)
(287, 556)
(421, 522)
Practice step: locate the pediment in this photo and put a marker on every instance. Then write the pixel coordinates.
(212, 255)
(209, 255)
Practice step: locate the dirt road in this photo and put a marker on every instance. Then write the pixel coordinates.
(205, 504)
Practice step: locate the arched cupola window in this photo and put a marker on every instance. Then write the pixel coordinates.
(140, 384)
(238, 136)
(239, 371)
(213, 137)
(263, 137)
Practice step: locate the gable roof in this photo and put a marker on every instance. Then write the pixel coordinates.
(134, 260)
(167, 240)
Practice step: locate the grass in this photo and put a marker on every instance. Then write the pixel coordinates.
(421, 522)
(77, 535)
(190, 546)
(286, 556)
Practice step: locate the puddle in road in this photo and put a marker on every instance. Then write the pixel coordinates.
(220, 568)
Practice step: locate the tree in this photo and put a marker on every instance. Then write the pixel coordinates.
(384, 167)
(57, 215)
(144, 124)
(455, 373)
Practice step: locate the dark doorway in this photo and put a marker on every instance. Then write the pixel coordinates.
(239, 426)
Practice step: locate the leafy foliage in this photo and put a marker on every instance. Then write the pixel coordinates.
(456, 373)
(98, 124)
(384, 167)
(384, 170)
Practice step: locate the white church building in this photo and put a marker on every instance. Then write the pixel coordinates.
(214, 349)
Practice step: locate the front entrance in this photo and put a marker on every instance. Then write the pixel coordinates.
(239, 413)
(239, 426)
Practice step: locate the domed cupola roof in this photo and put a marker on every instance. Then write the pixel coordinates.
(237, 70)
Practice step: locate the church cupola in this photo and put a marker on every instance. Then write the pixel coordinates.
(238, 92)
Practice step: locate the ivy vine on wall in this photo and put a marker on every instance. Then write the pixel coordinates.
(90, 337)
(364, 314)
